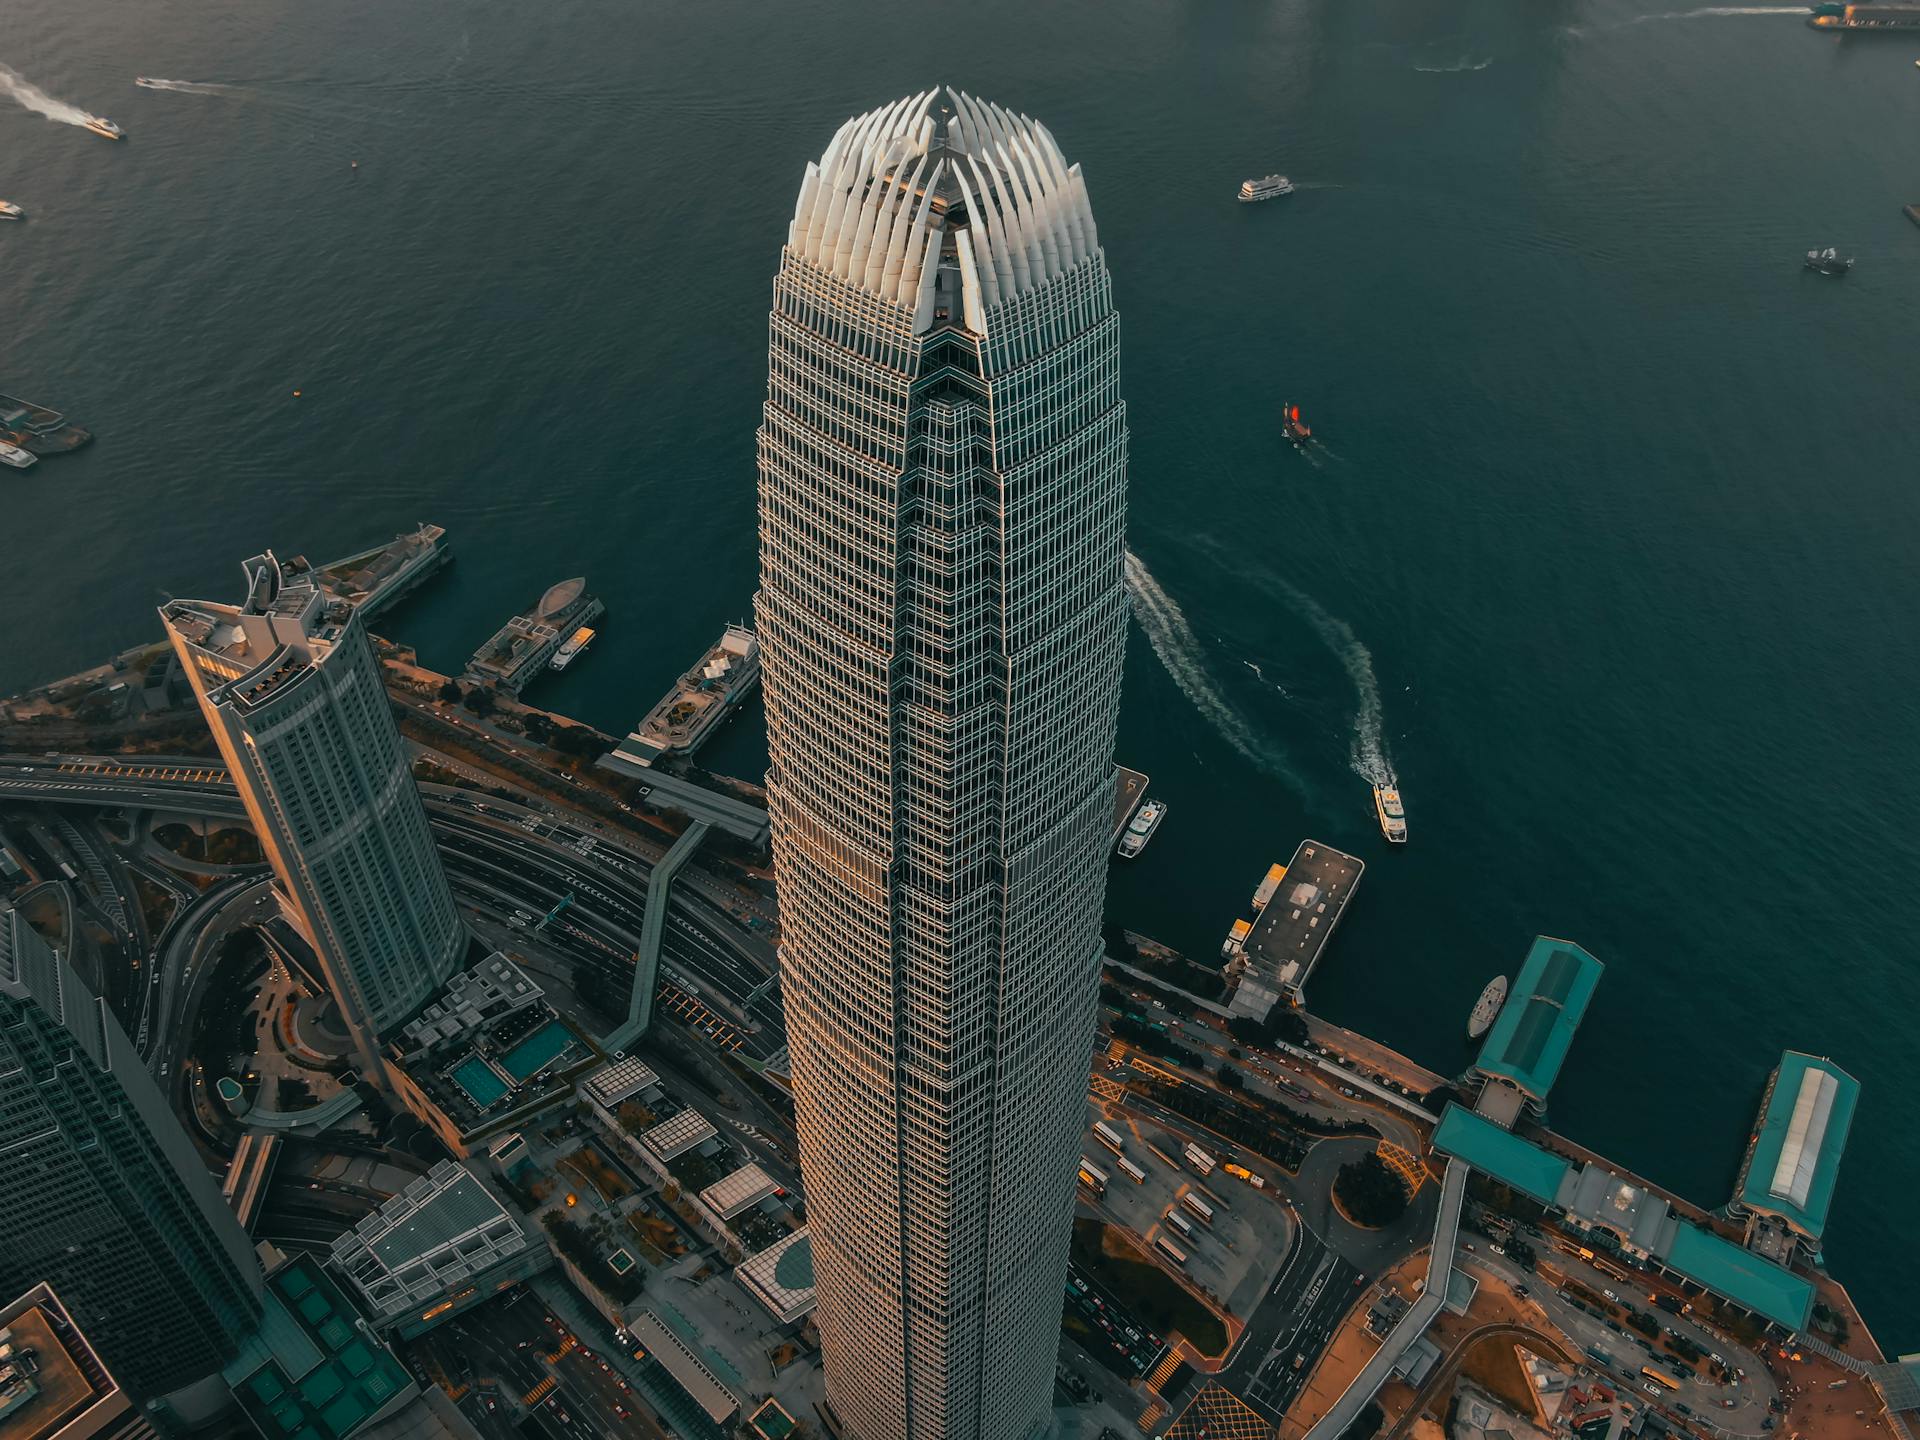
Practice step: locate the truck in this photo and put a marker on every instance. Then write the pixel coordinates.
(1132, 1171)
(1240, 1172)
(1092, 1176)
(1108, 1136)
(1198, 1206)
(1199, 1159)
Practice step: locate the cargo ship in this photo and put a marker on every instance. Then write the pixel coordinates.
(36, 428)
(571, 647)
(1487, 1008)
(1140, 829)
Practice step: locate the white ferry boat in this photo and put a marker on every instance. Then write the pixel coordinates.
(571, 647)
(11, 211)
(1487, 1008)
(1140, 829)
(101, 126)
(1393, 816)
(16, 457)
(1267, 187)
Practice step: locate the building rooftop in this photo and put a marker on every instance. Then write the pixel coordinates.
(254, 651)
(1501, 1154)
(618, 1080)
(443, 1229)
(680, 1134)
(781, 1277)
(1535, 1028)
(745, 1187)
(1743, 1277)
(1795, 1156)
(517, 1058)
(52, 1385)
(689, 1371)
(494, 987)
(313, 1370)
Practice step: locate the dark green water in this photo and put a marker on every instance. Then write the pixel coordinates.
(1614, 521)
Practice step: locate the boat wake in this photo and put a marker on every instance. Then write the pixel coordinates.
(187, 87)
(1368, 754)
(1167, 630)
(1465, 66)
(1702, 13)
(33, 98)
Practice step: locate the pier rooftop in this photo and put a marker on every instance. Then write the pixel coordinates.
(687, 715)
(1287, 940)
(373, 579)
(520, 649)
(1529, 1041)
(1129, 789)
(1794, 1158)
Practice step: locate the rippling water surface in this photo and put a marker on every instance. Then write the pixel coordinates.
(1606, 548)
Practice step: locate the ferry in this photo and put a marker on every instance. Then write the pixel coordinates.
(1140, 829)
(11, 211)
(1267, 187)
(1829, 261)
(571, 647)
(1487, 1008)
(1295, 429)
(102, 126)
(1393, 816)
(16, 457)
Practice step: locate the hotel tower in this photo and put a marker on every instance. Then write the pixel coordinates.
(941, 615)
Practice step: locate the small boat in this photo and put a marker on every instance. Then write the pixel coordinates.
(571, 647)
(1267, 187)
(1393, 816)
(146, 82)
(11, 211)
(99, 125)
(16, 457)
(1829, 261)
(1140, 829)
(1295, 429)
(1487, 1008)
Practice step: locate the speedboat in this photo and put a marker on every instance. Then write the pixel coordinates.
(146, 82)
(1295, 429)
(11, 211)
(99, 125)
(16, 457)
(1267, 187)
(1393, 815)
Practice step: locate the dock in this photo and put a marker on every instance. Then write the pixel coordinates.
(1279, 953)
(688, 715)
(377, 579)
(37, 429)
(520, 649)
(1129, 789)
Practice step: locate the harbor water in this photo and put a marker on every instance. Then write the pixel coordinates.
(1604, 546)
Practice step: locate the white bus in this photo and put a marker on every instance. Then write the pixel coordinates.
(1182, 1224)
(1108, 1136)
(1172, 1251)
(1199, 1159)
(1092, 1176)
(1198, 1206)
(1132, 1171)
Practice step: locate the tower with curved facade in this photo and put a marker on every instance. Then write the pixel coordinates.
(292, 691)
(941, 616)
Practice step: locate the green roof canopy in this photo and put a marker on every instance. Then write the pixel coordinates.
(1535, 1028)
(1795, 1158)
(1504, 1156)
(1743, 1277)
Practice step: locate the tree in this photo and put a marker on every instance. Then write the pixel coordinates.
(1286, 1025)
(450, 692)
(1247, 1030)
(1230, 1078)
(1371, 1194)
(480, 700)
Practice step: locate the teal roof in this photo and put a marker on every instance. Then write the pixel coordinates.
(1544, 1008)
(1742, 1276)
(1499, 1153)
(308, 1372)
(1795, 1156)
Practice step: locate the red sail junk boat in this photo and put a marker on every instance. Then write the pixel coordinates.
(1296, 429)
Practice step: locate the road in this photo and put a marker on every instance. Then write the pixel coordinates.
(1291, 1326)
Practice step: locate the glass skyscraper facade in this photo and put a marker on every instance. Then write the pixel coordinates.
(102, 1195)
(942, 617)
(292, 691)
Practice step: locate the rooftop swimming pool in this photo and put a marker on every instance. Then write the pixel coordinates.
(537, 1051)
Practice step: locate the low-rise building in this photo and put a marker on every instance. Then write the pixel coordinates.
(53, 1386)
(444, 1243)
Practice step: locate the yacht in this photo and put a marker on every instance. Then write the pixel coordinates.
(1268, 187)
(1829, 261)
(1393, 816)
(16, 457)
(1487, 1008)
(1140, 829)
(102, 126)
(11, 211)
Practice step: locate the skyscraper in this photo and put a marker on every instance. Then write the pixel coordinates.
(941, 615)
(102, 1195)
(292, 691)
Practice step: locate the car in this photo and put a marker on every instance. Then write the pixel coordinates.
(1496, 1248)
(1652, 1389)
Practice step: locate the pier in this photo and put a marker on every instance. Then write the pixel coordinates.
(521, 648)
(687, 715)
(373, 581)
(1129, 789)
(1286, 941)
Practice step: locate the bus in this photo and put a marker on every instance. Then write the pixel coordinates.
(1172, 1251)
(1198, 1206)
(1108, 1136)
(1132, 1171)
(1660, 1378)
(1182, 1224)
(1092, 1176)
(1199, 1159)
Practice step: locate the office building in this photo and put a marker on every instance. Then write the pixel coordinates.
(291, 689)
(941, 618)
(102, 1196)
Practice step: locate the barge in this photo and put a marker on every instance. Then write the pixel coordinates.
(37, 428)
